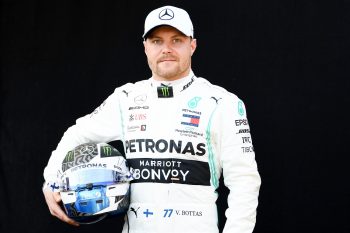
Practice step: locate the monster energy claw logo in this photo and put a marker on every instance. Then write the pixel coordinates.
(79, 155)
(106, 151)
(165, 92)
(69, 157)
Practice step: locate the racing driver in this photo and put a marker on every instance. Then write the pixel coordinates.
(180, 134)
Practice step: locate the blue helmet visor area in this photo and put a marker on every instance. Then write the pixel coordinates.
(89, 201)
(90, 176)
(89, 195)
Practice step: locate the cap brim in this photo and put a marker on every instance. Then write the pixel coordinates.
(146, 34)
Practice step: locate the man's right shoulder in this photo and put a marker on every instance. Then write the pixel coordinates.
(128, 87)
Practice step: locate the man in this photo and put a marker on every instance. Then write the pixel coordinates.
(180, 133)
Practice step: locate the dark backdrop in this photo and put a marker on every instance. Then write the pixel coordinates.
(288, 60)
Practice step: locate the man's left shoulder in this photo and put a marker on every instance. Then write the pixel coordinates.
(215, 90)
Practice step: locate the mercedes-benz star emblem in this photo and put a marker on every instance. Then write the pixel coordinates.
(140, 99)
(166, 14)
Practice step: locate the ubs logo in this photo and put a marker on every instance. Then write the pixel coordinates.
(166, 14)
(137, 117)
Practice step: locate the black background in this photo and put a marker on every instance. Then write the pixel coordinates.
(288, 61)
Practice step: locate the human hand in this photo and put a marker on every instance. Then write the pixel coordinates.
(52, 199)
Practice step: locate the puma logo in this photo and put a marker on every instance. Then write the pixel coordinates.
(216, 100)
(126, 93)
(135, 211)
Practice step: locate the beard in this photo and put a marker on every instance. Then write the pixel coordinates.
(168, 73)
(172, 71)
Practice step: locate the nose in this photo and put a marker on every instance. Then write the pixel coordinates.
(167, 48)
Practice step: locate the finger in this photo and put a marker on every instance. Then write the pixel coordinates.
(52, 200)
(60, 214)
(68, 220)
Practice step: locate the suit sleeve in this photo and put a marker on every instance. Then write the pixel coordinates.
(102, 125)
(239, 168)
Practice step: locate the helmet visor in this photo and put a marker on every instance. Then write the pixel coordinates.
(83, 177)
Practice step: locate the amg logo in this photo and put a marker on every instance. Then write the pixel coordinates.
(163, 146)
(138, 107)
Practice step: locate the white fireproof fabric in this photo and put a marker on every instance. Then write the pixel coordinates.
(179, 138)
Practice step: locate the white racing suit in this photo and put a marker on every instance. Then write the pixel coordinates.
(179, 137)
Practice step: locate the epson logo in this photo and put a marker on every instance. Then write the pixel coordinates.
(138, 107)
(241, 122)
(163, 146)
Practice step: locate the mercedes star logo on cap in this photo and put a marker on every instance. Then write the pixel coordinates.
(166, 14)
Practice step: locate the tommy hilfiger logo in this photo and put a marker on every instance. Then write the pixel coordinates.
(191, 120)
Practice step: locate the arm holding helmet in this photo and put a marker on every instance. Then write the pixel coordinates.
(102, 125)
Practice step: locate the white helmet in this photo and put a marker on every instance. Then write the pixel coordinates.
(95, 182)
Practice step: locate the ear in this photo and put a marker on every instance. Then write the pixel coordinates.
(145, 46)
(193, 46)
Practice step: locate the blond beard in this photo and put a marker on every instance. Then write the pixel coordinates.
(170, 74)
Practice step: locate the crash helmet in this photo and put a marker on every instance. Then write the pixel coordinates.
(95, 183)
